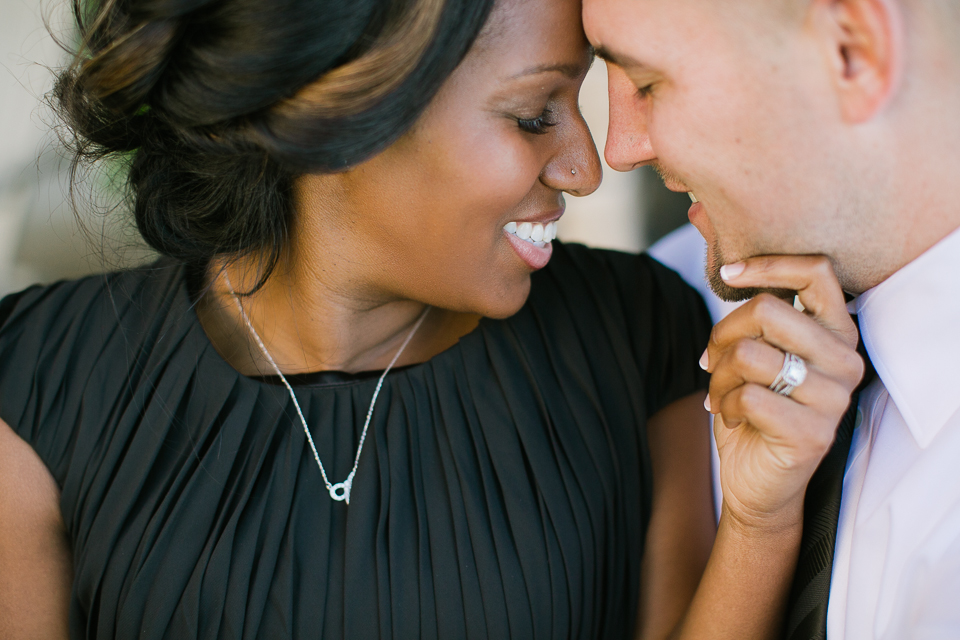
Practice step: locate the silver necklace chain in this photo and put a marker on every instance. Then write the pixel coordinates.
(341, 490)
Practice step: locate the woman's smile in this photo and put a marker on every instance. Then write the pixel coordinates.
(532, 238)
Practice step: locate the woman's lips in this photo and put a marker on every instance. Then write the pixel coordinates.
(532, 238)
(535, 257)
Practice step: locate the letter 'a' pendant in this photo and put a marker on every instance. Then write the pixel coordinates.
(341, 491)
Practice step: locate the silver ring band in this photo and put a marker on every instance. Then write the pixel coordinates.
(792, 374)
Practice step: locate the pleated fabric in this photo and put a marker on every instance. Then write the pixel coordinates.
(503, 492)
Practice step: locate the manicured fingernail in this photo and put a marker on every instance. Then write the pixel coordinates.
(706, 402)
(705, 360)
(731, 271)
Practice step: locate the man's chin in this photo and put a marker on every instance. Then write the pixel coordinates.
(735, 294)
(727, 293)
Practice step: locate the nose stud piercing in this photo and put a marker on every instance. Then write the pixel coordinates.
(573, 171)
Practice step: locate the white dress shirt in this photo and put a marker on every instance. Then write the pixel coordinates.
(896, 571)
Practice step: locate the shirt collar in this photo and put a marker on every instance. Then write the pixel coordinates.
(910, 325)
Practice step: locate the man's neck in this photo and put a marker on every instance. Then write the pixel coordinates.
(919, 207)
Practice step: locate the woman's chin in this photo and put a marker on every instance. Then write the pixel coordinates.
(508, 302)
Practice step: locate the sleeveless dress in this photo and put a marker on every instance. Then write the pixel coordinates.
(503, 492)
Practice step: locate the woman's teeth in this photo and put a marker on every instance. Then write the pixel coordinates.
(535, 233)
(693, 198)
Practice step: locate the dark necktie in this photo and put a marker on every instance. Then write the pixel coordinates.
(807, 606)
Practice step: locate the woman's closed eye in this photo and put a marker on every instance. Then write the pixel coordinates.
(539, 125)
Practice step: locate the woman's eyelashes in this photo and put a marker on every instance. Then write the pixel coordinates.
(539, 125)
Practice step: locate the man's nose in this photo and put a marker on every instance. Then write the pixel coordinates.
(628, 141)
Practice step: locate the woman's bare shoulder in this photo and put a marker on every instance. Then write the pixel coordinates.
(35, 557)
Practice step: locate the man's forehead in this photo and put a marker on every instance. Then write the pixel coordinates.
(636, 33)
(637, 14)
(623, 32)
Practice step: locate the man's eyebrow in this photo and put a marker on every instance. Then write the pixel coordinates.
(621, 61)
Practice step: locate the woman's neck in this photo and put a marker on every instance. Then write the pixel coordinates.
(317, 319)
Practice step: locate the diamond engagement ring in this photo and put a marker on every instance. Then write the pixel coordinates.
(791, 376)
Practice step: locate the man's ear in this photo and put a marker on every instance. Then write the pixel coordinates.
(864, 47)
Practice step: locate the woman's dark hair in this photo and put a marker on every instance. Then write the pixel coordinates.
(218, 104)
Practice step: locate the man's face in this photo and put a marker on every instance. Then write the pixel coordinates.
(728, 100)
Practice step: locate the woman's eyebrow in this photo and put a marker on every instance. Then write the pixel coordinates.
(571, 70)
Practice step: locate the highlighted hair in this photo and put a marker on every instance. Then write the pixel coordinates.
(217, 105)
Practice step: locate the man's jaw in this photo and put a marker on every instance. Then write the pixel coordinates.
(725, 292)
(714, 257)
(714, 261)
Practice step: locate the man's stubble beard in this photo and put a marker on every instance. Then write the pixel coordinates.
(734, 294)
(722, 289)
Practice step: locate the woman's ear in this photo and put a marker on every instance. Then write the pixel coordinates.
(863, 41)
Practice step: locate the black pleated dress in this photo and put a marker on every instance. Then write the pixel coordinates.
(503, 491)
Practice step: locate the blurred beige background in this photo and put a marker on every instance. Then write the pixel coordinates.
(40, 240)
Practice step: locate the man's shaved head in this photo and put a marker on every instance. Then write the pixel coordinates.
(802, 126)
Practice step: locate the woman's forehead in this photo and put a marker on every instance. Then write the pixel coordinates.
(524, 37)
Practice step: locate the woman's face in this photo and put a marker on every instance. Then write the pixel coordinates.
(429, 219)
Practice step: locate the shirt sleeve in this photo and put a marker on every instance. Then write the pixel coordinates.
(16, 367)
(46, 349)
(670, 329)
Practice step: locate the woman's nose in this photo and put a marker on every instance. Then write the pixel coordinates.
(576, 168)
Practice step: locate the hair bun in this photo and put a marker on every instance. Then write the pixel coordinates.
(123, 73)
(224, 102)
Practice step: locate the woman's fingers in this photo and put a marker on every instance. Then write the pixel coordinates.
(780, 325)
(748, 346)
(799, 435)
(770, 444)
(812, 277)
(756, 362)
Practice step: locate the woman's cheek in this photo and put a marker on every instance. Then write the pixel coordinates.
(499, 154)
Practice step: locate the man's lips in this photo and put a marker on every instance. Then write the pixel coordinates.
(697, 215)
(694, 212)
(676, 186)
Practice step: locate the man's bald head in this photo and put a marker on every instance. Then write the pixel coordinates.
(802, 126)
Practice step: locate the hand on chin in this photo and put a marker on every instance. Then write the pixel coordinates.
(770, 444)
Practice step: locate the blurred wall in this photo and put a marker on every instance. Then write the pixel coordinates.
(630, 211)
(24, 47)
(39, 237)
(609, 217)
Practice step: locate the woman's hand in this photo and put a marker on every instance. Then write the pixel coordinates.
(770, 445)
